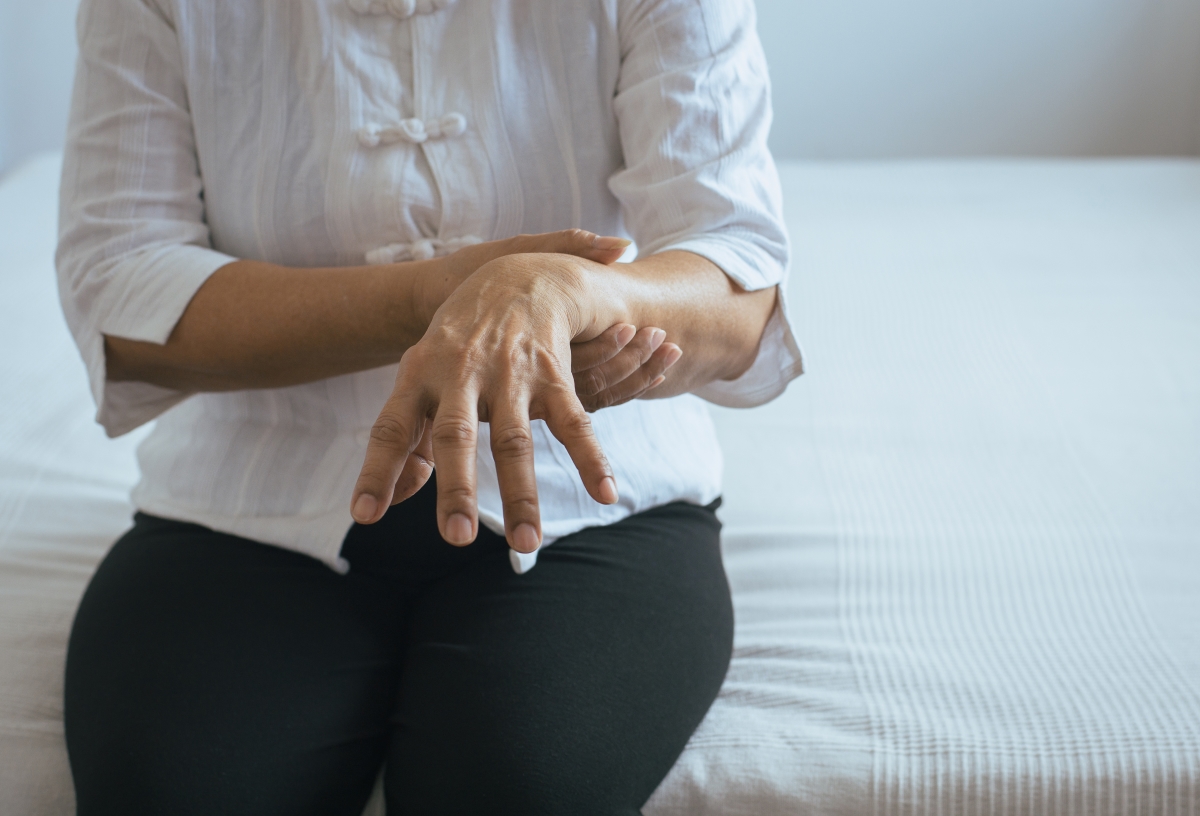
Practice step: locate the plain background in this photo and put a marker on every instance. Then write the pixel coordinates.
(853, 79)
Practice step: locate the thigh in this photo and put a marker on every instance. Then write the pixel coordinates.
(571, 689)
(209, 674)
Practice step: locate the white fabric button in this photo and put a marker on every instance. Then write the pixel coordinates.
(414, 131)
(400, 9)
(421, 250)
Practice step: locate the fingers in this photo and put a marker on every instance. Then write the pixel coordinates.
(645, 379)
(571, 426)
(599, 248)
(512, 450)
(607, 374)
(601, 349)
(393, 437)
(417, 469)
(455, 435)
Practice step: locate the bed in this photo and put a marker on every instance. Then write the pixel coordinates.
(964, 548)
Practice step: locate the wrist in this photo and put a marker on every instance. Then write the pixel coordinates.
(428, 284)
(602, 299)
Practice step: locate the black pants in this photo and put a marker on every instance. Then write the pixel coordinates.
(208, 674)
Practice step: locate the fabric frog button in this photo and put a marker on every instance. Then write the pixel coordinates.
(401, 9)
(414, 131)
(421, 250)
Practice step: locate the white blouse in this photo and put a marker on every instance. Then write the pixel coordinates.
(341, 132)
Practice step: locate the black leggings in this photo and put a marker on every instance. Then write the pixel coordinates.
(208, 674)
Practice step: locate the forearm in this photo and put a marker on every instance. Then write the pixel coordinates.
(258, 325)
(717, 324)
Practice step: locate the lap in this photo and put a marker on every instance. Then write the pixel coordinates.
(210, 674)
(571, 689)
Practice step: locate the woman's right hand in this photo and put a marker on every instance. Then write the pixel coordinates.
(497, 351)
(622, 364)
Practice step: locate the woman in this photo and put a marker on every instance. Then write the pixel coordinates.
(272, 241)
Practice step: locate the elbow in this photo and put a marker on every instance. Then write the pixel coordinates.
(121, 363)
(752, 319)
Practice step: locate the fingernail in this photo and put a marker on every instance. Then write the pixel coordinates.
(525, 539)
(364, 508)
(608, 490)
(625, 334)
(673, 356)
(656, 339)
(659, 380)
(608, 242)
(458, 529)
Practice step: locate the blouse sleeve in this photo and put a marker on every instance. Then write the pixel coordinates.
(693, 105)
(133, 243)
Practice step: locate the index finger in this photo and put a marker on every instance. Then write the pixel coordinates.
(394, 435)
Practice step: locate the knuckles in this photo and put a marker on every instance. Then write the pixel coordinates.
(512, 442)
(389, 432)
(456, 497)
(455, 431)
(574, 423)
(606, 399)
(521, 508)
(590, 383)
(561, 241)
(570, 239)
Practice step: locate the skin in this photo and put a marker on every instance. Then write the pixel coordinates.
(534, 327)
(498, 350)
(259, 325)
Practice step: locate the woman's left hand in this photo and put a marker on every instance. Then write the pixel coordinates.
(620, 365)
(497, 351)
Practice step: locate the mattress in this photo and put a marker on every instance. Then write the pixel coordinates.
(964, 548)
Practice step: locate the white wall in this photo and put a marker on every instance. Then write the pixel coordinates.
(877, 78)
(853, 78)
(37, 62)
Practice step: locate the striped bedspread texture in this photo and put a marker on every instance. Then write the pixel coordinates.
(964, 547)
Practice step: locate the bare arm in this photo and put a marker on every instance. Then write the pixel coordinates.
(716, 323)
(259, 325)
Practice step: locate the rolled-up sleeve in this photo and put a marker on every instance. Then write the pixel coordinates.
(133, 243)
(693, 105)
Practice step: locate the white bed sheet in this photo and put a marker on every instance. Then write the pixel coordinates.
(63, 496)
(965, 548)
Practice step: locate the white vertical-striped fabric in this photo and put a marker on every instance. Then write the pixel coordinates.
(339, 132)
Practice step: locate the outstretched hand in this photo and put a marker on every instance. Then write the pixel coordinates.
(620, 365)
(499, 351)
